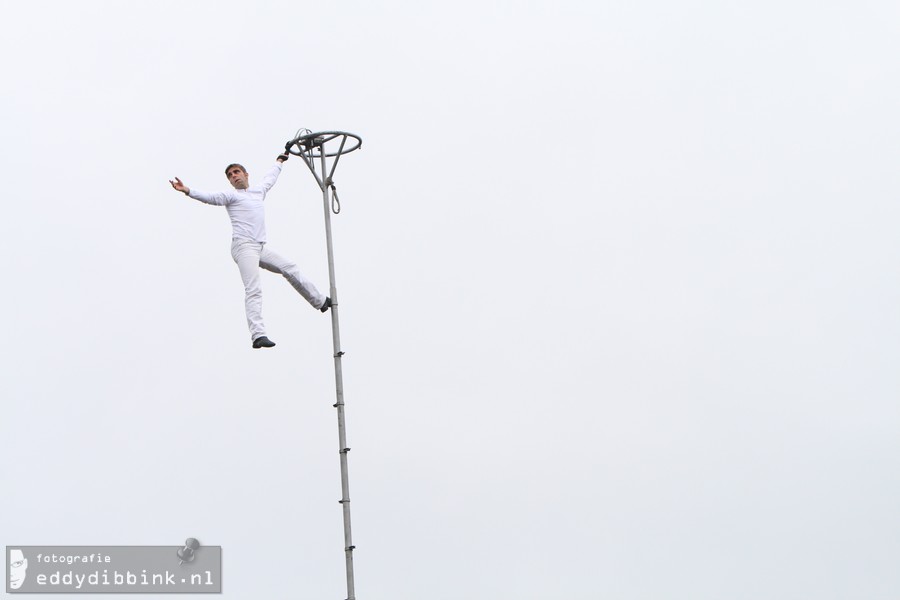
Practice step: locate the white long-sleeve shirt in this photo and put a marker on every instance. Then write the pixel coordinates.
(245, 207)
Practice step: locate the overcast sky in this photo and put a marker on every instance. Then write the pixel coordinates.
(618, 292)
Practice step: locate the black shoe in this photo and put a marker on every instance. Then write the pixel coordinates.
(327, 304)
(263, 342)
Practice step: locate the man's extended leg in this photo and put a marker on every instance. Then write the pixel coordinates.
(272, 261)
(246, 254)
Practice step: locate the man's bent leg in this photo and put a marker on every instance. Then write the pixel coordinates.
(272, 261)
(246, 254)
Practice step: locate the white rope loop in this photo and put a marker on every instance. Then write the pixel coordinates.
(335, 201)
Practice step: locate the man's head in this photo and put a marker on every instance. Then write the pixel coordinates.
(17, 566)
(237, 175)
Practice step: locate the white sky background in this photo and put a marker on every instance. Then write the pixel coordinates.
(618, 293)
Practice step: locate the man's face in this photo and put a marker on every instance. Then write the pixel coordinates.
(238, 178)
(17, 566)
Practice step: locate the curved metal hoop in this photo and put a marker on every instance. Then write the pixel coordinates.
(312, 145)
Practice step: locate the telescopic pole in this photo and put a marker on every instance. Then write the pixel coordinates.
(306, 146)
(339, 383)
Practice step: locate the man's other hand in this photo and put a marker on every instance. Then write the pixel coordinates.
(180, 186)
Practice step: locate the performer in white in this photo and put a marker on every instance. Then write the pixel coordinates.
(248, 243)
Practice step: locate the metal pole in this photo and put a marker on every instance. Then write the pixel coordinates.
(339, 383)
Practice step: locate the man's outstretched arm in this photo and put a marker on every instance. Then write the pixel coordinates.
(217, 198)
(272, 176)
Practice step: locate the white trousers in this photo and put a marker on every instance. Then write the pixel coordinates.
(250, 256)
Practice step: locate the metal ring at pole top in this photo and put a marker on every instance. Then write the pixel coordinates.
(313, 145)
